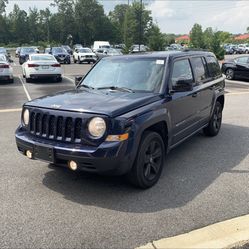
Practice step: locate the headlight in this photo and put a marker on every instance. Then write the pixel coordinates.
(25, 117)
(97, 127)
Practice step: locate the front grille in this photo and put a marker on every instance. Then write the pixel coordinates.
(88, 56)
(60, 128)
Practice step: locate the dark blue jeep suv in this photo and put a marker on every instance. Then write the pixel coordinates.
(126, 114)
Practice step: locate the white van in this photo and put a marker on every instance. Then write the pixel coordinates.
(100, 44)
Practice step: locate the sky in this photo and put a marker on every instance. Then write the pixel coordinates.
(178, 16)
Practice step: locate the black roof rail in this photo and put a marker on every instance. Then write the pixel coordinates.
(195, 50)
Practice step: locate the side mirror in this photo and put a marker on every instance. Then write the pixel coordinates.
(50, 52)
(183, 85)
(78, 79)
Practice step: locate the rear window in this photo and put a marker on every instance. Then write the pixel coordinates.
(213, 66)
(42, 58)
(199, 69)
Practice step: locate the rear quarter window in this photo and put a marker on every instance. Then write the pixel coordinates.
(213, 66)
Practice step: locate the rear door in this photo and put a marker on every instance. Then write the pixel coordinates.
(204, 87)
(183, 105)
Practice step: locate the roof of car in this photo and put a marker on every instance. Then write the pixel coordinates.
(166, 54)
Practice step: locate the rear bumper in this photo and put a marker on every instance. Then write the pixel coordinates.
(38, 76)
(114, 158)
(6, 77)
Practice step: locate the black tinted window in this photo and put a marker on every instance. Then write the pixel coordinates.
(213, 66)
(181, 71)
(199, 69)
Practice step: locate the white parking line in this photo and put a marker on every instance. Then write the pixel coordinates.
(25, 89)
(68, 78)
(11, 110)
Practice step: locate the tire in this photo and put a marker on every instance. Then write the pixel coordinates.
(149, 162)
(74, 61)
(229, 74)
(214, 125)
(28, 80)
(59, 79)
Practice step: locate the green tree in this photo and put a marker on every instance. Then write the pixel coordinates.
(19, 25)
(196, 36)
(3, 6)
(216, 47)
(155, 38)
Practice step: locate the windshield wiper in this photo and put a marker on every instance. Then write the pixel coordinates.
(116, 88)
(86, 86)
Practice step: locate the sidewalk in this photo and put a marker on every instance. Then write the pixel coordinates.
(226, 234)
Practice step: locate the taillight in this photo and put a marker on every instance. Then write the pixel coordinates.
(4, 66)
(56, 65)
(33, 65)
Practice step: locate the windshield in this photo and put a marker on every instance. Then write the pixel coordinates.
(137, 74)
(85, 50)
(3, 58)
(3, 50)
(42, 58)
(58, 50)
(28, 50)
(113, 51)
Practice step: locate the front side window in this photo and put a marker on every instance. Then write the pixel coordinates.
(181, 71)
(137, 74)
(199, 69)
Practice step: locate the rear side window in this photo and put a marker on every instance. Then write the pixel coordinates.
(181, 71)
(199, 69)
(213, 66)
(243, 60)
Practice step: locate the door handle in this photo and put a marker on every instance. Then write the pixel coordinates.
(194, 95)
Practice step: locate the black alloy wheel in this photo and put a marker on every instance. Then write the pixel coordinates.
(149, 162)
(229, 74)
(215, 122)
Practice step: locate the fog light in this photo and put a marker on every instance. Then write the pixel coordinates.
(72, 165)
(29, 154)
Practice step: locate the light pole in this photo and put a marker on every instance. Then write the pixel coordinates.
(140, 30)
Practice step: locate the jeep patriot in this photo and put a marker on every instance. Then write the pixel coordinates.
(126, 114)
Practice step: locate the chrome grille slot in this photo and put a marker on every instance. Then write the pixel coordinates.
(49, 125)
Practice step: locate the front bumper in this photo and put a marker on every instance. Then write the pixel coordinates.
(113, 158)
(84, 59)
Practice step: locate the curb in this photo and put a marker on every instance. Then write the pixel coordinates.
(220, 235)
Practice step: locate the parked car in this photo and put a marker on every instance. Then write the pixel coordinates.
(243, 49)
(77, 46)
(236, 68)
(135, 49)
(229, 49)
(6, 53)
(125, 114)
(101, 53)
(41, 66)
(82, 55)
(24, 54)
(100, 45)
(6, 70)
(17, 52)
(68, 49)
(61, 55)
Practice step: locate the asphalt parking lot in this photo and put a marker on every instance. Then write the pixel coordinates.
(205, 180)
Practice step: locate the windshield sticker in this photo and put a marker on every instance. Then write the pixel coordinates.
(160, 62)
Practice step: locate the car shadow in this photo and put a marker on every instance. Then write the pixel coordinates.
(189, 170)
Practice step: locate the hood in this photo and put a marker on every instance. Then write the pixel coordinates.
(84, 54)
(95, 101)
